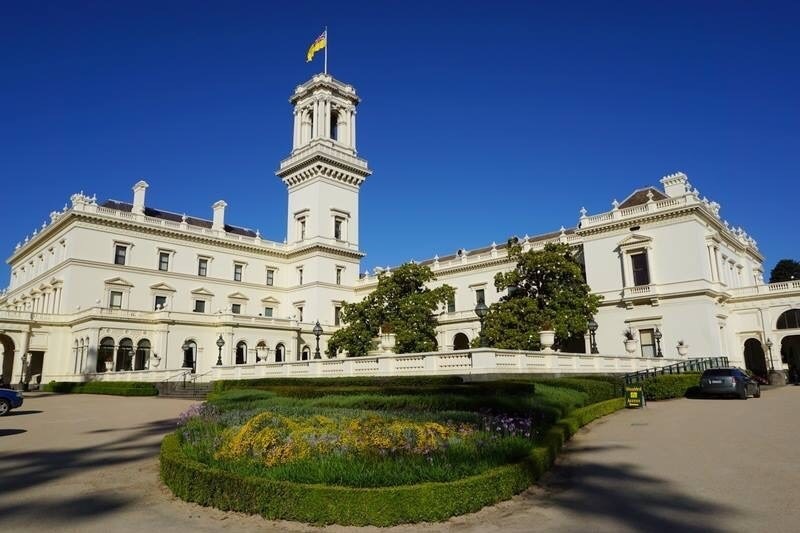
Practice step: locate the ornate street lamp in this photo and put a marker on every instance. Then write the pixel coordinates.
(22, 371)
(657, 334)
(482, 310)
(769, 349)
(592, 331)
(220, 344)
(317, 332)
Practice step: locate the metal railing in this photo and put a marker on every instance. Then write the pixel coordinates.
(684, 367)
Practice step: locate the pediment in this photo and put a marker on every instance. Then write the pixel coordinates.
(634, 240)
(202, 291)
(270, 300)
(238, 296)
(120, 282)
(162, 287)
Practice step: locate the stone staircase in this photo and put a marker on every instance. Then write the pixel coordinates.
(190, 390)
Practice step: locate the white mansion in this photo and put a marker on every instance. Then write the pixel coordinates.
(119, 290)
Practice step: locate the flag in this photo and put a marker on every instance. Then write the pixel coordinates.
(317, 45)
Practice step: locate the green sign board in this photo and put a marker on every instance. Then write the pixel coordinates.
(634, 397)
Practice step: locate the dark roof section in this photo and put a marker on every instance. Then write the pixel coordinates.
(639, 197)
(175, 217)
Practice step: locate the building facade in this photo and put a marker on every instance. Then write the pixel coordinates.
(119, 289)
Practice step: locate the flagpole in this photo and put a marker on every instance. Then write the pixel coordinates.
(326, 49)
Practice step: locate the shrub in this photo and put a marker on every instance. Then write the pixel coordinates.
(380, 382)
(381, 506)
(669, 386)
(115, 388)
(596, 390)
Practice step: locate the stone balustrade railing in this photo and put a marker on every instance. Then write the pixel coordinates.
(478, 361)
(772, 288)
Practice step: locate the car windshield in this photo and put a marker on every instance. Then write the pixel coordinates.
(718, 372)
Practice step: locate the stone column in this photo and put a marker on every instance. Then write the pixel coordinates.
(90, 363)
(296, 136)
(326, 119)
(353, 129)
(23, 349)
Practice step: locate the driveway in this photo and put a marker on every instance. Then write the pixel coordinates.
(89, 463)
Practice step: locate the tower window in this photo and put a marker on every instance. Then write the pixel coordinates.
(337, 228)
(163, 261)
(302, 228)
(335, 126)
(337, 315)
(237, 271)
(339, 275)
(270, 277)
(300, 313)
(299, 276)
(120, 254)
(202, 267)
(641, 273)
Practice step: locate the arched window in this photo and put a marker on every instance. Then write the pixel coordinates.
(125, 355)
(280, 352)
(76, 354)
(460, 342)
(305, 354)
(241, 353)
(754, 358)
(789, 319)
(335, 125)
(262, 352)
(105, 355)
(142, 359)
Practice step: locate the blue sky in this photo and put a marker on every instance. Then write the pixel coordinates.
(479, 119)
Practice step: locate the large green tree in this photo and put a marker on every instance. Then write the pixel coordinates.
(402, 304)
(785, 270)
(546, 290)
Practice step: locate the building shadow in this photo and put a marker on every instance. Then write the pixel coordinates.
(23, 412)
(6, 432)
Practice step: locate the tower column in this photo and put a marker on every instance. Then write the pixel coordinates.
(326, 121)
(297, 125)
(353, 129)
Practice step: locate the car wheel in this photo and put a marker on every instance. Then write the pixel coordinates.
(757, 394)
(5, 407)
(743, 394)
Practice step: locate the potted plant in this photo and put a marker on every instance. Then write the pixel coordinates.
(547, 336)
(155, 361)
(629, 337)
(109, 364)
(682, 347)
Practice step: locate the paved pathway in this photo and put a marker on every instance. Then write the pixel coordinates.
(88, 463)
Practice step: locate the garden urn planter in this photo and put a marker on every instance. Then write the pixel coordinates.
(683, 349)
(630, 345)
(155, 361)
(109, 365)
(547, 338)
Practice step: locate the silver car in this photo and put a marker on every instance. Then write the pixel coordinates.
(729, 381)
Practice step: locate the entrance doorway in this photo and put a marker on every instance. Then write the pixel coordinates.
(460, 342)
(754, 358)
(34, 377)
(7, 345)
(790, 354)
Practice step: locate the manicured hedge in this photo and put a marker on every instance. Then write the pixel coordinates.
(597, 390)
(115, 388)
(323, 504)
(669, 386)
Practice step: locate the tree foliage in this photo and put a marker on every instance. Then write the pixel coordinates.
(402, 304)
(785, 270)
(546, 290)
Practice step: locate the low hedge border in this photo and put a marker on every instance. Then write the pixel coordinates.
(670, 386)
(114, 388)
(323, 504)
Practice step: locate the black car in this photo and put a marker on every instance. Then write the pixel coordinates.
(730, 381)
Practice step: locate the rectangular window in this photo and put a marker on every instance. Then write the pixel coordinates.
(337, 315)
(337, 228)
(480, 296)
(268, 312)
(270, 277)
(163, 261)
(647, 340)
(199, 306)
(237, 272)
(641, 274)
(339, 275)
(120, 253)
(115, 300)
(302, 232)
(451, 304)
(236, 309)
(160, 302)
(299, 276)
(202, 267)
(300, 314)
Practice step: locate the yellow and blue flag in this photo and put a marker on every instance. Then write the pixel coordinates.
(320, 43)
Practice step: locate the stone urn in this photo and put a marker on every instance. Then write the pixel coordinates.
(109, 365)
(630, 345)
(547, 338)
(682, 348)
(155, 361)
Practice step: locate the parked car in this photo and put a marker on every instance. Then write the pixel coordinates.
(9, 399)
(729, 381)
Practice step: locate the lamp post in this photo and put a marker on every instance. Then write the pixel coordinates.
(317, 332)
(220, 344)
(482, 310)
(769, 349)
(657, 334)
(592, 338)
(22, 371)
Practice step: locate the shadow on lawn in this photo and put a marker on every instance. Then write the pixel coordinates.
(29, 470)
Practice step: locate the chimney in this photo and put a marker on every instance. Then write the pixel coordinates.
(138, 197)
(675, 184)
(219, 216)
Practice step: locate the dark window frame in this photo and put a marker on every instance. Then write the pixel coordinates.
(640, 268)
